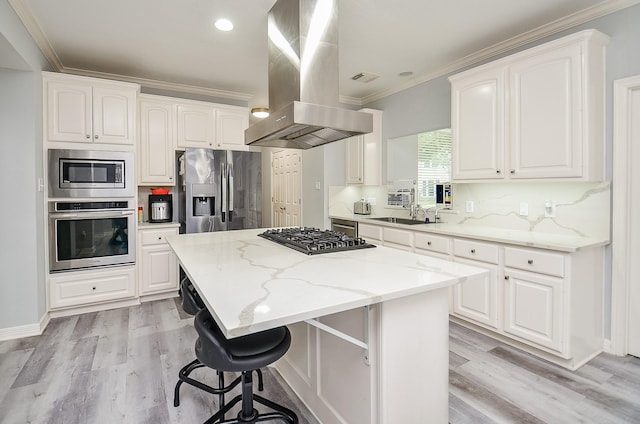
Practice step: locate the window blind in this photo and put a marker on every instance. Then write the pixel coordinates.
(434, 163)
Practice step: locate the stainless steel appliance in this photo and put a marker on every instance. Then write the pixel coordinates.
(313, 241)
(362, 207)
(160, 208)
(219, 190)
(91, 234)
(303, 94)
(346, 226)
(90, 173)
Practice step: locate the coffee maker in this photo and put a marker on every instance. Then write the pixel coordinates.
(160, 208)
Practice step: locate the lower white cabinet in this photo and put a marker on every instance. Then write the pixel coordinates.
(67, 289)
(546, 302)
(157, 264)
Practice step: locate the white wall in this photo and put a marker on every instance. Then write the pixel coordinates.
(22, 273)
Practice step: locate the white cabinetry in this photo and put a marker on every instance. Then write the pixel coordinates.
(157, 141)
(230, 126)
(363, 155)
(157, 264)
(546, 302)
(91, 286)
(89, 110)
(210, 125)
(196, 125)
(537, 114)
(477, 299)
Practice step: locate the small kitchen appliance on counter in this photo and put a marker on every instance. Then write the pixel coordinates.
(160, 208)
(362, 207)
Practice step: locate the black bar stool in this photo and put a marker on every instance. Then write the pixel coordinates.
(192, 304)
(242, 354)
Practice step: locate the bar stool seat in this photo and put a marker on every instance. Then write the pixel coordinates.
(242, 354)
(192, 304)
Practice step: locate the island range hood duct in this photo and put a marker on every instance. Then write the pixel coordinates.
(303, 80)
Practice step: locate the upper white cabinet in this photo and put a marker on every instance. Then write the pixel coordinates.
(157, 141)
(196, 125)
(537, 114)
(363, 156)
(213, 126)
(230, 125)
(89, 110)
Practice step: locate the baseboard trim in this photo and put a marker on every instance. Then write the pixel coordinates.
(27, 330)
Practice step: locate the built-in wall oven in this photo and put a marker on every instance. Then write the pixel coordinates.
(90, 173)
(85, 234)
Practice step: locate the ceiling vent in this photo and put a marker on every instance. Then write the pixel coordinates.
(365, 77)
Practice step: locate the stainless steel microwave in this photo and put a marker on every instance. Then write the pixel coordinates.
(90, 173)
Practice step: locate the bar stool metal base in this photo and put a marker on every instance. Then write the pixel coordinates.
(248, 414)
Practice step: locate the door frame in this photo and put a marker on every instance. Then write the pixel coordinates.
(621, 275)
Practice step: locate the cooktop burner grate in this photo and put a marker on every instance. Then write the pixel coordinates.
(313, 241)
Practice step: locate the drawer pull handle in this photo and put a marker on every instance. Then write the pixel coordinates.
(428, 243)
(473, 250)
(497, 171)
(93, 288)
(513, 171)
(506, 277)
(530, 261)
(160, 238)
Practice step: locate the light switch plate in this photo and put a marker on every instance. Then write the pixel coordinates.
(524, 209)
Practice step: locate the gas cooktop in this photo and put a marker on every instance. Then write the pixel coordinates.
(313, 241)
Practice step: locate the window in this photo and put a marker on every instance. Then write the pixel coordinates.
(434, 163)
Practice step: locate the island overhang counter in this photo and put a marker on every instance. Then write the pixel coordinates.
(250, 284)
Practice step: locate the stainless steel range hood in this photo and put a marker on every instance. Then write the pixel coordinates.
(303, 80)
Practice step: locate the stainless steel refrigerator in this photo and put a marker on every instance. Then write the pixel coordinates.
(219, 190)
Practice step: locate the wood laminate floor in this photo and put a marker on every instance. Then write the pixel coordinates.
(120, 366)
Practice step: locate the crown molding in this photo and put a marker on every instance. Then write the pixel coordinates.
(162, 85)
(599, 10)
(25, 14)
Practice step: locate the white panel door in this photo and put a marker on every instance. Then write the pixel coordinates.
(545, 122)
(69, 112)
(477, 123)
(113, 116)
(286, 188)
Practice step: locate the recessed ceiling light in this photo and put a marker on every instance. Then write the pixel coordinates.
(224, 24)
(260, 112)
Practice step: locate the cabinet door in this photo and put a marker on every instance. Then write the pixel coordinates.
(477, 123)
(159, 269)
(477, 299)
(533, 308)
(355, 160)
(372, 151)
(545, 120)
(196, 126)
(113, 115)
(157, 137)
(69, 112)
(230, 126)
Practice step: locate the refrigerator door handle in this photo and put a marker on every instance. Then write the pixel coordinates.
(231, 190)
(224, 193)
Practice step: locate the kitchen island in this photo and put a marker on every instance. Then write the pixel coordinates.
(251, 284)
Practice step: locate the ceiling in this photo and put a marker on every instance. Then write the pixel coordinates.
(172, 44)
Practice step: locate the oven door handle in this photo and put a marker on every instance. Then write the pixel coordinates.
(93, 214)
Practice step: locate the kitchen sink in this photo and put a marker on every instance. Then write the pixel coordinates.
(395, 220)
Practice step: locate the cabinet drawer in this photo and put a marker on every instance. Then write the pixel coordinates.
(432, 243)
(369, 232)
(534, 261)
(395, 236)
(477, 251)
(150, 237)
(81, 288)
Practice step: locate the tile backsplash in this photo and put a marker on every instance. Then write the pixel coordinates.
(581, 209)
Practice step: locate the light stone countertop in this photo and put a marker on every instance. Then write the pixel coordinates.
(252, 284)
(562, 243)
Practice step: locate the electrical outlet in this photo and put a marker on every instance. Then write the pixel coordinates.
(469, 206)
(524, 209)
(549, 209)
(371, 200)
(317, 185)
